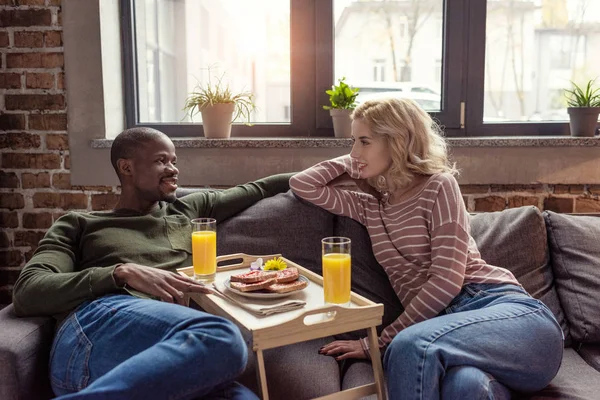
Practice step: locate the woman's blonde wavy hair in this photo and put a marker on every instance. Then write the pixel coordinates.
(415, 141)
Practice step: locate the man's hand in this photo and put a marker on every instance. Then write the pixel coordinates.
(168, 286)
(342, 349)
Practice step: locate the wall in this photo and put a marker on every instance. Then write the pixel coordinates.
(35, 186)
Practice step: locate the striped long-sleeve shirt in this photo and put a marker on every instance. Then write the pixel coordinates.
(423, 243)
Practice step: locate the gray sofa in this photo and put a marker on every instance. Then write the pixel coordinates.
(556, 257)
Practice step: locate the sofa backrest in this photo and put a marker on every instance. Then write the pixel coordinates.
(516, 239)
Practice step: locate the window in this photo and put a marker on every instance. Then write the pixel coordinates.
(521, 55)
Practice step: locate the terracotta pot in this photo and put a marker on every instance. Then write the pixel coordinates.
(342, 124)
(216, 120)
(583, 120)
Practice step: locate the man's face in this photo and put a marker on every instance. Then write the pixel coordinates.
(154, 173)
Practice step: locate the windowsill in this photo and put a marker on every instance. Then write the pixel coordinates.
(488, 141)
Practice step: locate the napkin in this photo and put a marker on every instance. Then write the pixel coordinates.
(259, 307)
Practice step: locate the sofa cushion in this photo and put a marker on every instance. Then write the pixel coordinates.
(515, 239)
(591, 354)
(575, 253)
(279, 224)
(368, 277)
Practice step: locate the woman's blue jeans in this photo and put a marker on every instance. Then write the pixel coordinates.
(123, 347)
(490, 340)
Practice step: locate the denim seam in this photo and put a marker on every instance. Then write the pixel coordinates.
(461, 326)
(185, 394)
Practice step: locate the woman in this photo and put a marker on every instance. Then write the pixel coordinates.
(469, 330)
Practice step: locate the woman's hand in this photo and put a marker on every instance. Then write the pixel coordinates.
(343, 349)
(166, 285)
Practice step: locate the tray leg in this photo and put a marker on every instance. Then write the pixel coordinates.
(262, 376)
(376, 362)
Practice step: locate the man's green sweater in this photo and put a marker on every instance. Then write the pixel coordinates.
(76, 258)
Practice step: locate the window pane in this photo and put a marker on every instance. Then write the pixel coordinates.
(180, 43)
(533, 50)
(391, 48)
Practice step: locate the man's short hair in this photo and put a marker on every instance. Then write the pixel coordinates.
(129, 141)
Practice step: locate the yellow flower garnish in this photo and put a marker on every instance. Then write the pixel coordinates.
(276, 264)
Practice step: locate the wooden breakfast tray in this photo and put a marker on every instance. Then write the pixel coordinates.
(313, 321)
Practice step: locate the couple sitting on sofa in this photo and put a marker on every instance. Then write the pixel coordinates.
(450, 341)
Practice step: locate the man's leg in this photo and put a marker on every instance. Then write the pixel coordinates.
(513, 339)
(122, 347)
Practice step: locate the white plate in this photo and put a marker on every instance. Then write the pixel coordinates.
(262, 294)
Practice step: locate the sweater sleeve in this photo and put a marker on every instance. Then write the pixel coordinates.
(50, 284)
(449, 250)
(312, 185)
(224, 204)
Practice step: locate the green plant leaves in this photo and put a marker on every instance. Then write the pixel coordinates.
(583, 97)
(342, 96)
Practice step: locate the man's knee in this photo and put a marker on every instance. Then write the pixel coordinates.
(466, 382)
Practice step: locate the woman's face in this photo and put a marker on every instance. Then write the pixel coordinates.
(371, 153)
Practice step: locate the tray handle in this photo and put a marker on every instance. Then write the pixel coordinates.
(246, 260)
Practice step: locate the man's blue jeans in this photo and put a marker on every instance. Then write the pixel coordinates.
(122, 347)
(490, 340)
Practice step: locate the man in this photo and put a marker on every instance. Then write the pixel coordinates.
(100, 274)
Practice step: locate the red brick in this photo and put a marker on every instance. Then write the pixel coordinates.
(4, 39)
(39, 81)
(10, 80)
(474, 189)
(518, 188)
(34, 60)
(35, 102)
(54, 2)
(29, 39)
(35, 161)
(74, 201)
(41, 220)
(46, 200)
(566, 189)
(19, 140)
(9, 275)
(28, 238)
(587, 205)
(30, 181)
(60, 81)
(57, 215)
(12, 122)
(4, 240)
(9, 219)
(61, 181)
(11, 258)
(93, 188)
(67, 162)
(53, 39)
(520, 201)
(105, 201)
(57, 142)
(559, 204)
(29, 2)
(9, 180)
(48, 122)
(594, 189)
(12, 201)
(30, 17)
(490, 203)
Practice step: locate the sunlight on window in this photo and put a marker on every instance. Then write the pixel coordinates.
(534, 48)
(391, 49)
(246, 42)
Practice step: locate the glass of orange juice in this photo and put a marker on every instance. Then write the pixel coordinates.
(204, 249)
(336, 270)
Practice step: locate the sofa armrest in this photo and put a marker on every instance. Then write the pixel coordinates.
(24, 353)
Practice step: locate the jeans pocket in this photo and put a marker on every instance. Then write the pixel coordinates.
(69, 358)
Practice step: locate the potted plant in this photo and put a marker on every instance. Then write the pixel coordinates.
(219, 106)
(584, 107)
(342, 98)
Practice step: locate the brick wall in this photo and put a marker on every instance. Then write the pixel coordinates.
(35, 184)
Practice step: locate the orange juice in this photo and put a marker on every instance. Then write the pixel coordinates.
(204, 254)
(336, 278)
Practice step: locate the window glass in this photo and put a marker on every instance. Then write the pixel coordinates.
(534, 48)
(180, 43)
(390, 48)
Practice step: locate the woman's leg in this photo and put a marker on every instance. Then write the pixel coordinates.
(497, 329)
(122, 347)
